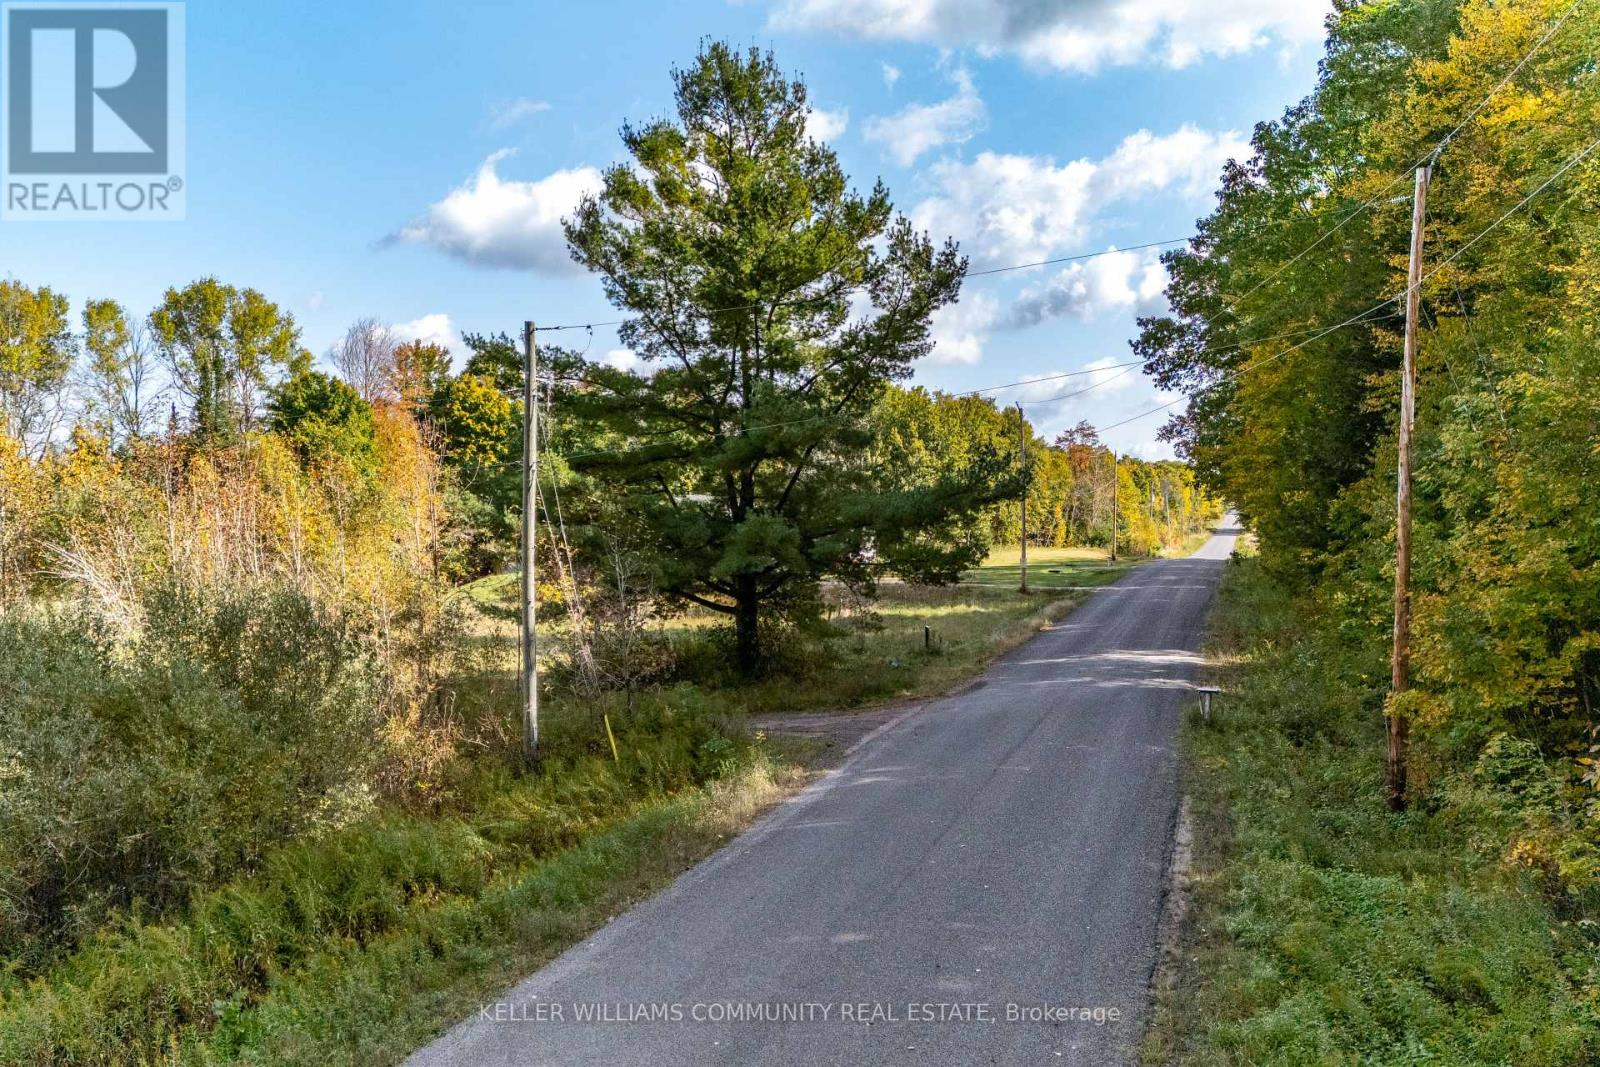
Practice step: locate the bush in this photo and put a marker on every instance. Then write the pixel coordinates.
(392, 895)
(136, 771)
(1328, 929)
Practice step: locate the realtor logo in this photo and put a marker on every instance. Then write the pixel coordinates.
(93, 111)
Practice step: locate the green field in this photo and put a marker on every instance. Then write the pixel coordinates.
(909, 641)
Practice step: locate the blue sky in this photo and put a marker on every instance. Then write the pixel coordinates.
(408, 160)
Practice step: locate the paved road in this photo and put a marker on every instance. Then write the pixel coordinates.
(1003, 846)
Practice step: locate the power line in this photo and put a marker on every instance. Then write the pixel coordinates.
(1432, 154)
(1317, 332)
(1122, 369)
(1240, 372)
(1571, 162)
(1076, 258)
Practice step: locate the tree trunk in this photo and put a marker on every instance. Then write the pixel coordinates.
(747, 633)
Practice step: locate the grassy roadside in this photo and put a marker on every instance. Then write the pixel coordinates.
(879, 652)
(377, 1002)
(358, 946)
(1322, 928)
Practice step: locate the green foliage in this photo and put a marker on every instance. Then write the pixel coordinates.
(120, 372)
(136, 773)
(479, 433)
(479, 426)
(325, 419)
(36, 352)
(421, 368)
(1326, 929)
(221, 344)
(1506, 559)
(390, 896)
(498, 359)
(734, 239)
(927, 440)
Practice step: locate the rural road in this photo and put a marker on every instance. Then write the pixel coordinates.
(980, 883)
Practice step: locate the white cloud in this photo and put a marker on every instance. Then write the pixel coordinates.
(315, 301)
(922, 127)
(510, 112)
(624, 359)
(891, 74)
(1007, 209)
(1010, 209)
(827, 125)
(494, 222)
(1123, 282)
(959, 330)
(1082, 36)
(1054, 403)
(1188, 159)
(430, 329)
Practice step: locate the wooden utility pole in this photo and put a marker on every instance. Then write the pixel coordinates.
(1400, 661)
(1022, 451)
(1113, 505)
(530, 488)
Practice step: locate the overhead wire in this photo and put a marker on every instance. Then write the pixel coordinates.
(1571, 162)
(1123, 368)
(1432, 154)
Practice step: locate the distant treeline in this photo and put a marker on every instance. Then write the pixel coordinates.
(1071, 500)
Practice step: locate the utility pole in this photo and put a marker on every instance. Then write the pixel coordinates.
(1022, 451)
(1400, 661)
(530, 488)
(1113, 505)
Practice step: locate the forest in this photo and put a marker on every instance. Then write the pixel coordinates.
(1286, 332)
(260, 778)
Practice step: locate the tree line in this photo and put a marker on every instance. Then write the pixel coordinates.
(1311, 232)
(768, 444)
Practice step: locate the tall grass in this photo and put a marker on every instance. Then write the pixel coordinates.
(372, 910)
(332, 869)
(1328, 930)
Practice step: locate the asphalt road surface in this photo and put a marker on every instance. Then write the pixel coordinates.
(979, 883)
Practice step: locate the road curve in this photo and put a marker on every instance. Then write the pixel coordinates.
(979, 883)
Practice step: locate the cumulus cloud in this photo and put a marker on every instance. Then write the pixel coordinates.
(1082, 36)
(920, 128)
(1011, 209)
(1188, 160)
(624, 359)
(891, 74)
(1054, 403)
(430, 329)
(491, 221)
(827, 125)
(510, 112)
(1122, 282)
(959, 330)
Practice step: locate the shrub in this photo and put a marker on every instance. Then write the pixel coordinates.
(134, 772)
